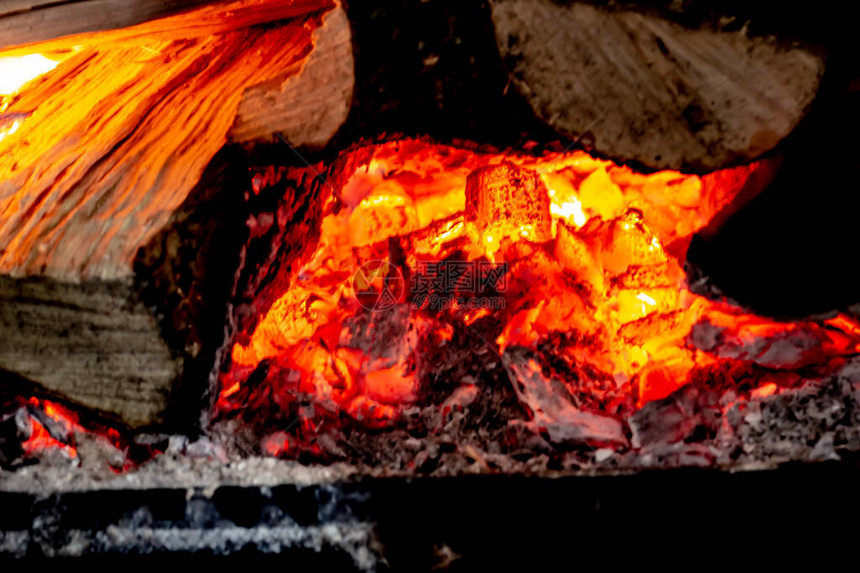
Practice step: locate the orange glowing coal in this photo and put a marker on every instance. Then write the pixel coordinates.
(41, 438)
(592, 256)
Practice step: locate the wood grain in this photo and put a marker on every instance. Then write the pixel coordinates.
(106, 165)
(306, 107)
(25, 24)
(92, 343)
(115, 140)
(651, 90)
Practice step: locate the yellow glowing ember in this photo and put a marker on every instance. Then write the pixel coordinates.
(570, 210)
(600, 285)
(445, 235)
(16, 72)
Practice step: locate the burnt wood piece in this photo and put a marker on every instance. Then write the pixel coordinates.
(115, 234)
(676, 93)
(552, 408)
(508, 198)
(45, 25)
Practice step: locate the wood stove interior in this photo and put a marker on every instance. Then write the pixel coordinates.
(216, 226)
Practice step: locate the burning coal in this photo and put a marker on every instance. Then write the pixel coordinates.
(436, 265)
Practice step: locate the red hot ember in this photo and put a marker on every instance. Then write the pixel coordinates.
(589, 320)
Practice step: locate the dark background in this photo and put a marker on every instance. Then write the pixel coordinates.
(794, 249)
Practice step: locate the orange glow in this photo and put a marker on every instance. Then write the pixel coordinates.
(277, 444)
(390, 386)
(41, 439)
(471, 317)
(54, 427)
(16, 72)
(142, 118)
(608, 275)
(765, 390)
(5, 132)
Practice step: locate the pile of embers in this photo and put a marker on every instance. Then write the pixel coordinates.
(463, 311)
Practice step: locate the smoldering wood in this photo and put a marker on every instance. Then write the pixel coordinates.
(509, 196)
(109, 212)
(650, 90)
(552, 406)
(118, 266)
(61, 25)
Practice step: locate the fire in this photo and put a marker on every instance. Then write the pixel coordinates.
(11, 129)
(60, 436)
(765, 390)
(45, 427)
(592, 256)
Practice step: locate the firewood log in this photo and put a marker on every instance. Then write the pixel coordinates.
(305, 108)
(117, 227)
(676, 93)
(60, 25)
(503, 199)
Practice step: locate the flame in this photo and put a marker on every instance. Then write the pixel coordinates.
(602, 276)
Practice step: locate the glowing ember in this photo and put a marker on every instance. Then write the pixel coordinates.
(562, 256)
(61, 435)
(35, 428)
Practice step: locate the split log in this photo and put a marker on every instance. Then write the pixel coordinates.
(102, 204)
(648, 89)
(505, 198)
(121, 135)
(61, 25)
(305, 107)
(94, 343)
